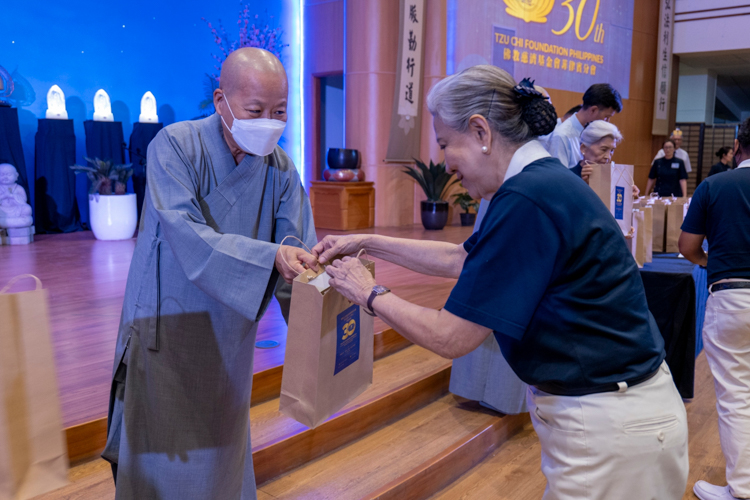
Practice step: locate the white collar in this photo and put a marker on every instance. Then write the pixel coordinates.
(577, 126)
(744, 164)
(528, 153)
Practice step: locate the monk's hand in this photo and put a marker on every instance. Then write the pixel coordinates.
(351, 279)
(331, 246)
(586, 171)
(292, 261)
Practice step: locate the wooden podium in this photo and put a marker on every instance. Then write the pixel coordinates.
(343, 206)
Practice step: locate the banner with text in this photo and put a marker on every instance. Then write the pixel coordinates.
(403, 141)
(660, 124)
(566, 45)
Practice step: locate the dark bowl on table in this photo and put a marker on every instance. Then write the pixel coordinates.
(343, 158)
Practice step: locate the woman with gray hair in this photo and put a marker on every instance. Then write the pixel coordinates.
(598, 143)
(550, 276)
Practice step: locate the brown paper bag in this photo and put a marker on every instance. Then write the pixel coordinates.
(621, 199)
(648, 231)
(638, 242)
(659, 213)
(613, 183)
(329, 351)
(601, 182)
(674, 219)
(33, 456)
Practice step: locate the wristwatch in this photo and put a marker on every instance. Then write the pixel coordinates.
(376, 291)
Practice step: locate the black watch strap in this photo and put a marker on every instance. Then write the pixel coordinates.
(369, 310)
(375, 293)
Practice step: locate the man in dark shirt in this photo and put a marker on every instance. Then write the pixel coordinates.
(720, 212)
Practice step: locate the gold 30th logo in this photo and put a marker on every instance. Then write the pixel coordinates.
(349, 329)
(531, 11)
(536, 11)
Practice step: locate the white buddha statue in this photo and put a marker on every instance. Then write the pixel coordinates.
(56, 104)
(148, 109)
(102, 107)
(14, 209)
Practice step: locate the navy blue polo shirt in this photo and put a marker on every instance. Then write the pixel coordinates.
(549, 272)
(720, 209)
(668, 174)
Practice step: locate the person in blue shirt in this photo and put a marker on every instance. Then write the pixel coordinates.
(720, 212)
(549, 275)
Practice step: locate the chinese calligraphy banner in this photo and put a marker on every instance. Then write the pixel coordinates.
(660, 124)
(403, 142)
(568, 45)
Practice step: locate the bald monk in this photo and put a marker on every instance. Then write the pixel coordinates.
(221, 198)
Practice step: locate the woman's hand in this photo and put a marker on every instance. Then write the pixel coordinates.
(586, 171)
(331, 246)
(636, 192)
(351, 279)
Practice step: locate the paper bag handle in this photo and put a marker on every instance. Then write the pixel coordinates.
(294, 238)
(629, 177)
(361, 252)
(20, 277)
(282, 255)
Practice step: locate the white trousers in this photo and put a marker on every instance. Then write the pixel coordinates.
(614, 445)
(726, 338)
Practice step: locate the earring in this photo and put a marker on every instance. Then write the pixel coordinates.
(484, 149)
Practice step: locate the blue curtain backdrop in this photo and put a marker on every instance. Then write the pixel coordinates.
(125, 48)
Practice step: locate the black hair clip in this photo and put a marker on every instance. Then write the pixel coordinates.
(525, 91)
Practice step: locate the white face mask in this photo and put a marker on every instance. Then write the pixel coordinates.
(257, 136)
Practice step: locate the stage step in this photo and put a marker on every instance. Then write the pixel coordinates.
(402, 383)
(87, 440)
(512, 472)
(411, 458)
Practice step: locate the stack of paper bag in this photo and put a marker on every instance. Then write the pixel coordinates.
(658, 217)
(638, 242)
(648, 231)
(673, 222)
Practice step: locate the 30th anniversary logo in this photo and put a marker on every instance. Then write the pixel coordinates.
(536, 11)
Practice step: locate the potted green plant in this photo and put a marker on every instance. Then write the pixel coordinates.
(467, 203)
(435, 182)
(112, 211)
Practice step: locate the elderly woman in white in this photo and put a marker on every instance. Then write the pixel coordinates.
(598, 143)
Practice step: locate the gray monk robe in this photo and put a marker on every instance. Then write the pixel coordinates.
(201, 277)
(484, 375)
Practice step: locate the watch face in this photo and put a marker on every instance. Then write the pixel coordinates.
(380, 290)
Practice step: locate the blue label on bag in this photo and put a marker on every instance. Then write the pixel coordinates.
(347, 338)
(619, 202)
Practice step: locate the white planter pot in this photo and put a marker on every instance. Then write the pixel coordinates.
(113, 217)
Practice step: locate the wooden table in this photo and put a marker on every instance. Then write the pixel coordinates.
(343, 206)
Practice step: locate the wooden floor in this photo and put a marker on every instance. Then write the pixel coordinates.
(86, 283)
(405, 437)
(512, 472)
